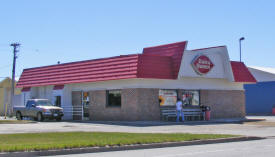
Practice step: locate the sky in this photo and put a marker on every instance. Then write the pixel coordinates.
(74, 30)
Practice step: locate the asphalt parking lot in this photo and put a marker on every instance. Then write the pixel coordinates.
(262, 128)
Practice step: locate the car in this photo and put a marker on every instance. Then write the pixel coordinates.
(39, 109)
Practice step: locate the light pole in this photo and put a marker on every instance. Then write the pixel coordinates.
(240, 40)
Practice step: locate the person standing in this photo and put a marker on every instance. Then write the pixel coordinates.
(179, 110)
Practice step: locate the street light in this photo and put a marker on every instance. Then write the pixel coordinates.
(242, 38)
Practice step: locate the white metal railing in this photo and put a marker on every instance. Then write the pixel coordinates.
(74, 111)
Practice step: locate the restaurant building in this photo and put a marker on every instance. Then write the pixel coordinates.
(135, 87)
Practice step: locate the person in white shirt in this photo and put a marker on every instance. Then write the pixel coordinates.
(179, 110)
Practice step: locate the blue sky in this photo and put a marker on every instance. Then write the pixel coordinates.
(73, 30)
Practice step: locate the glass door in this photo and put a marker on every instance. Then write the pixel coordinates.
(85, 105)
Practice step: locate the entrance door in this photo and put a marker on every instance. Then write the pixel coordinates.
(57, 100)
(85, 104)
(77, 105)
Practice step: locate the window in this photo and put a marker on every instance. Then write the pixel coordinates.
(57, 101)
(113, 98)
(191, 97)
(30, 103)
(167, 97)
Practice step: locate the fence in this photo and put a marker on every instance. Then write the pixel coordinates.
(76, 112)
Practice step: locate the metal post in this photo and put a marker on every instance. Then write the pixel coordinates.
(240, 51)
(240, 40)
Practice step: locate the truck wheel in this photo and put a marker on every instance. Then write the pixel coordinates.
(18, 116)
(40, 117)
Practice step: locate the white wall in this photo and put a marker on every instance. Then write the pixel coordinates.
(262, 76)
(24, 97)
(66, 101)
(218, 56)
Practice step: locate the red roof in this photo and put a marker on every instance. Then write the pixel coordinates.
(58, 87)
(152, 66)
(114, 68)
(241, 72)
(159, 62)
(174, 50)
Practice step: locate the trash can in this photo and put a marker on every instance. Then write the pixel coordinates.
(207, 113)
(273, 109)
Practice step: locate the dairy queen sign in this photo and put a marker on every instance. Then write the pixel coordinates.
(202, 64)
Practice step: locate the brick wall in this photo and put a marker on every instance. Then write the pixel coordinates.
(224, 103)
(148, 102)
(136, 104)
(142, 104)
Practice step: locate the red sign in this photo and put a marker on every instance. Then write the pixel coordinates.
(202, 64)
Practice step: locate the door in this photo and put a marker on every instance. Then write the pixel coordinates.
(57, 100)
(77, 105)
(29, 110)
(85, 105)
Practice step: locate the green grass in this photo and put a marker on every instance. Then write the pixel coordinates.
(15, 121)
(47, 141)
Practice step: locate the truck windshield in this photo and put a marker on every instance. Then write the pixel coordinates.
(44, 103)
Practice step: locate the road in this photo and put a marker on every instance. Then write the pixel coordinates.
(249, 148)
(257, 148)
(261, 128)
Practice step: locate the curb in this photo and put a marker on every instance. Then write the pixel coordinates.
(126, 147)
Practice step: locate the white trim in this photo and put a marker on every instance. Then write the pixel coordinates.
(184, 83)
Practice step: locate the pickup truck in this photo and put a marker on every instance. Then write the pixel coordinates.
(39, 109)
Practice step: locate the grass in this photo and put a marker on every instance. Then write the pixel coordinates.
(15, 121)
(61, 140)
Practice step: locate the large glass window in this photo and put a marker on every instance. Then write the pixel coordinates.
(113, 98)
(167, 97)
(191, 97)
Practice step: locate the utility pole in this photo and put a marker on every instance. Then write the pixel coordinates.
(10, 107)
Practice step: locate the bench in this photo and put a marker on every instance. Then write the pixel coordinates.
(168, 112)
(189, 113)
(193, 114)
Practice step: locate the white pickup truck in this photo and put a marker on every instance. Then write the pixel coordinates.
(39, 109)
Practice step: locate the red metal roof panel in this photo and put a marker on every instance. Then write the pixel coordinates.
(174, 50)
(120, 67)
(241, 72)
(152, 66)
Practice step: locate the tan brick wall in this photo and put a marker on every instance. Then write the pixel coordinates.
(142, 104)
(148, 102)
(136, 104)
(224, 103)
